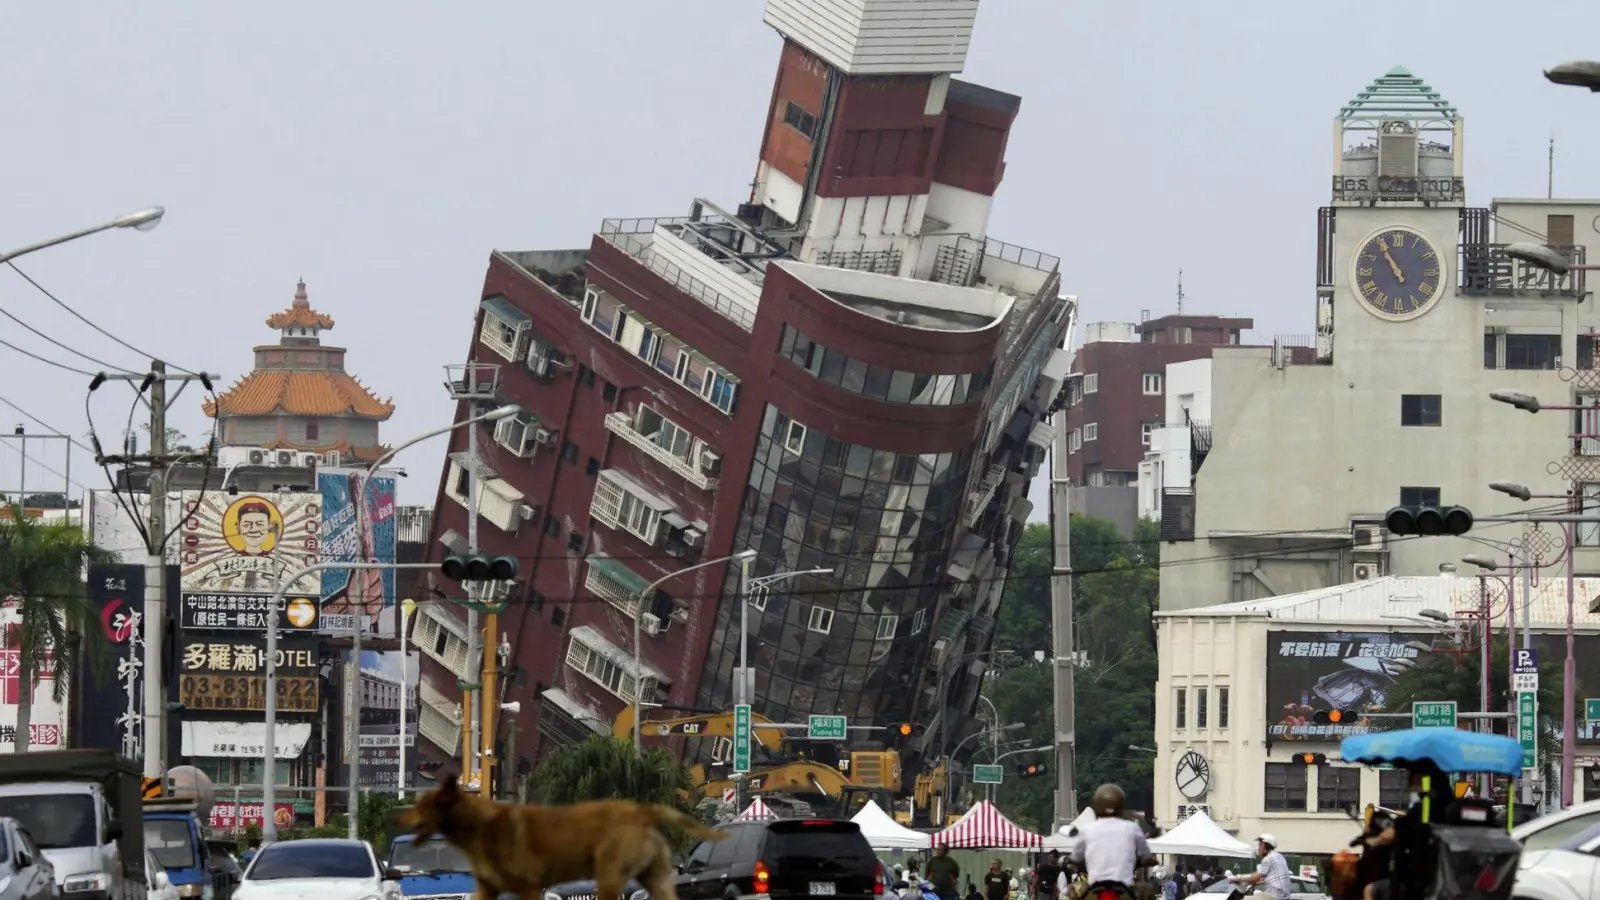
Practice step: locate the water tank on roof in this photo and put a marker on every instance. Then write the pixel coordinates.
(1433, 161)
(189, 783)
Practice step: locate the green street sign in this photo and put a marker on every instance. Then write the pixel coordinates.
(827, 728)
(1527, 728)
(741, 738)
(987, 774)
(1591, 710)
(1433, 714)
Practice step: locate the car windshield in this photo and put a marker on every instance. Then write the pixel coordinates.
(428, 857)
(56, 821)
(1577, 842)
(172, 842)
(311, 859)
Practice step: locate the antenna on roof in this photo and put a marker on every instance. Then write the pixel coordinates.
(1180, 292)
(1550, 170)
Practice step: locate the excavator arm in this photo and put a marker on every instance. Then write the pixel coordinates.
(709, 725)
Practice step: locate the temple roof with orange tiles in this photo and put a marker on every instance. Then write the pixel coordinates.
(316, 392)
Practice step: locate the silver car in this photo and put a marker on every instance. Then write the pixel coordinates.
(1304, 888)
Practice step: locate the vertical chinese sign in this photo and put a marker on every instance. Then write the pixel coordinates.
(111, 689)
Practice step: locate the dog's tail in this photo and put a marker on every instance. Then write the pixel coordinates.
(666, 815)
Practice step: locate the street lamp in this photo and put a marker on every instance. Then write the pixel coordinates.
(1512, 489)
(1482, 562)
(269, 827)
(1150, 750)
(143, 220)
(996, 732)
(743, 557)
(1582, 73)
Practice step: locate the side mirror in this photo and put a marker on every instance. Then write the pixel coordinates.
(114, 830)
(24, 860)
(401, 869)
(392, 873)
(162, 881)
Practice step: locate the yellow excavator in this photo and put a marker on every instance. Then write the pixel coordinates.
(790, 778)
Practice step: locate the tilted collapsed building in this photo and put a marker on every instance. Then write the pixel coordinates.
(844, 373)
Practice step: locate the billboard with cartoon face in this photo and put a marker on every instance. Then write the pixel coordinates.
(236, 550)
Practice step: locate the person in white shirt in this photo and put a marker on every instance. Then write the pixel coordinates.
(1272, 875)
(1111, 847)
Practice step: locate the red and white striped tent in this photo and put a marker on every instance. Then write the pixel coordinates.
(757, 810)
(984, 827)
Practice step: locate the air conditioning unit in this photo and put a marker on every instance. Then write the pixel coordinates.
(284, 458)
(527, 511)
(331, 459)
(693, 537)
(544, 436)
(1363, 572)
(650, 622)
(560, 362)
(310, 460)
(539, 365)
(710, 463)
(680, 615)
(260, 457)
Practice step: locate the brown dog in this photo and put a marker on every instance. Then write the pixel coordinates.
(523, 849)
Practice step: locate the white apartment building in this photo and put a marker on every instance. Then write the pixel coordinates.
(1419, 315)
(1185, 433)
(1240, 682)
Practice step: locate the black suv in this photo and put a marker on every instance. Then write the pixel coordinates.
(786, 859)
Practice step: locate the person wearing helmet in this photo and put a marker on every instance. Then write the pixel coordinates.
(1272, 875)
(1111, 847)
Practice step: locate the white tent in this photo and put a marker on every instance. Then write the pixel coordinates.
(1063, 839)
(1197, 835)
(884, 833)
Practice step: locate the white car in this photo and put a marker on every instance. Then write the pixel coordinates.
(1548, 831)
(1569, 870)
(318, 869)
(158, 883)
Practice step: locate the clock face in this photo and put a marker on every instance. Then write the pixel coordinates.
(1193, 775)
(1397, 274)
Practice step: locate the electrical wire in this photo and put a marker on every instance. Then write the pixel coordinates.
(46, 425)
(57, 301)
(78, 353)
(48, 362)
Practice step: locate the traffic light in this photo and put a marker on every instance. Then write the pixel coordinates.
(1428, 521)
(901, 733)
(1308, 759)
(479, 568)
(1334, 716)
(1029, 770)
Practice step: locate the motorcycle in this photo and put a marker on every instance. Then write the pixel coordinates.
(1457, 853)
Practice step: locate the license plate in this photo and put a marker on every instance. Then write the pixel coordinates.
(822, 889)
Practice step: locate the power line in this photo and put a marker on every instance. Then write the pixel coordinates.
(46, 425)
(79, 316)
(48, 362)
(78, 353)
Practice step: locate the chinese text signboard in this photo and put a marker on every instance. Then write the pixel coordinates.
(1311, 672)
(1525, 681)
(246, 612)
(229, 674)
(229, 815)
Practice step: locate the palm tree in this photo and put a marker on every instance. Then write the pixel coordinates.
(604, 767)
(43, 568)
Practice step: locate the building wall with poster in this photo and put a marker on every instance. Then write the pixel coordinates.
(1239, 684)
(347, 537)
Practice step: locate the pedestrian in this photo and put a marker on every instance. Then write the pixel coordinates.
(996, 882)
(1169, 886)
(1045, 875)
(943, 873)
(972, 891)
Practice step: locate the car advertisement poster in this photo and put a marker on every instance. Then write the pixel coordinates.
(1309, 672)
(348, 536)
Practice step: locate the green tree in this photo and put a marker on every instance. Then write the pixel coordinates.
(1115, 593)
(1452, 676)
(604, 767)
(42, 566)
(177, 441)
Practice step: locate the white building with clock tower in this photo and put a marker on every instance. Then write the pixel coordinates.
(1276, 464)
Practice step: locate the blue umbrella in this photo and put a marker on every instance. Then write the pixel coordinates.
(1451, 749)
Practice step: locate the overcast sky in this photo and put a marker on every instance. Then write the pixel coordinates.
(382, 150)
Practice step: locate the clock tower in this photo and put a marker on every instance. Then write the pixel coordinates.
(1387, 242)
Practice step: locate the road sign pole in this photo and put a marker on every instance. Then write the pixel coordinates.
(1525, 683)
(741, 753)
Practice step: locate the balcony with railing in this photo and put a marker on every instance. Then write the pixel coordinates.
(1296, 350)
(686, 458)
(1484, 270)
(979, 498)
(637, 238)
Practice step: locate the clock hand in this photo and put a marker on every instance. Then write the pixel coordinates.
(1393, 266)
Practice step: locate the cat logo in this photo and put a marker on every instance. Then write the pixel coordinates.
(693, 727)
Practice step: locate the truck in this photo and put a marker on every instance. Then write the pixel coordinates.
(83, 809)
(178, 841)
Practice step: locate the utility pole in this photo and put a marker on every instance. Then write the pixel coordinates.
(158, 460)
(1063, 652)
